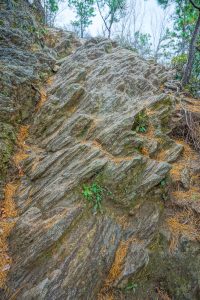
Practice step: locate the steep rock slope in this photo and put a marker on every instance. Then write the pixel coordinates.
(105, 126)
(101, 182)
(29, 53)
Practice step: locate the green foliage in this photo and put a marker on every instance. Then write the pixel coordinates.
(163, 183)
(50, 9)
(53, 5)
(184, 22)
(164, 3)
(131, 287)
(141, 123)
(39, 32)
(179, 61)
(141, 129)
(84, 13)
(111, 12)
(185, 18)
(142, 43)
(94, 195)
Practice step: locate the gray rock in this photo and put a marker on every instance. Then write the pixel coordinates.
(89, 136)
(136, 258)
(186, 178)
(85, 133)
(174, 153)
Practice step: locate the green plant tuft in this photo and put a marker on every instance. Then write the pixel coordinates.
(131, 287)
(94, 195)
(163, 182)
(141, 123)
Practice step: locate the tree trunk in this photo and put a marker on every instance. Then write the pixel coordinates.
(191, 54)
(109, 33)
(110, 26)
(106, 26)
(81, 27)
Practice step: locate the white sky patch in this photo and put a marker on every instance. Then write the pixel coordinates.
(149, 20)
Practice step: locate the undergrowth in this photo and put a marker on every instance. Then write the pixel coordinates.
(131, 286)
(141, 123)
(94, 194)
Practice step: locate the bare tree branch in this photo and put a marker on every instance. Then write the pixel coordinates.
(104, 19)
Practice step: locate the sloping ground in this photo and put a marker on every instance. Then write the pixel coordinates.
(29, 53)
(27, 57)
(104, 203)
(104, 125)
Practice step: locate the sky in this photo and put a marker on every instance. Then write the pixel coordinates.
(150, 17)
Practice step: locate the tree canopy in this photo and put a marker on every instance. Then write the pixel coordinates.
(186, 34)
(84, 12)
(111, 11)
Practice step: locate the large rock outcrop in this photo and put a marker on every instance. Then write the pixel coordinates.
(27, 57)
(29, 53)
(98, 214)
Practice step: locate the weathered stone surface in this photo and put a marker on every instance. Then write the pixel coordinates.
(85, 135)
(105, 123)
(26, 59)
(186, 178)
(136, 258)
(83, 256)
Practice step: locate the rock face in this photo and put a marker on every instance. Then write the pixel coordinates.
(96, 216)
(27, 56)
